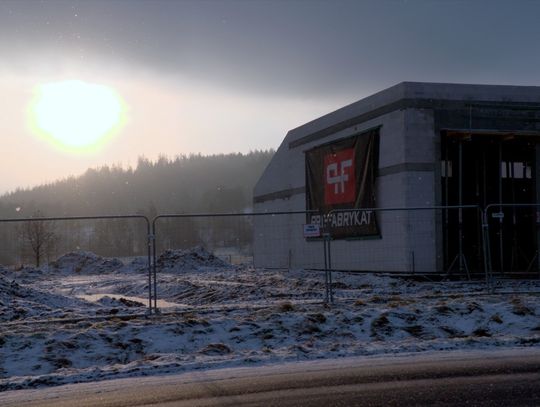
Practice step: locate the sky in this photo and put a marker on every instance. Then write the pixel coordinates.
(232, 76)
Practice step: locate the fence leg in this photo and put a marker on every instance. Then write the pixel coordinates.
(326, 280)
(150, 264)
(154, 269)
(488, 251)
(330, 271)
(531, 263)
(485, 243)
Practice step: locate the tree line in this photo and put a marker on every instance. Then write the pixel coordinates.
(184, 184)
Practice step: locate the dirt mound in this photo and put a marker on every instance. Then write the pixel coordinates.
(137, 265)
(190, 259)
(19, 302)
(85, 263)
(23, 275)
(119, 302)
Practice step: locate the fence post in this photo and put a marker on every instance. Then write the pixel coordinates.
(326, 287)
(486, 248)
(325, 270)
(330, 269)
(150, 240)
(329, 294)
(154, 258)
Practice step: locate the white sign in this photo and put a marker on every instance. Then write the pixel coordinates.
(499, 215)
(312, 230)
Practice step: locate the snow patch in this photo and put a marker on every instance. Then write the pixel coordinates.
(235, 316)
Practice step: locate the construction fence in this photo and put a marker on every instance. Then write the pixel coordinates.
(466, 242)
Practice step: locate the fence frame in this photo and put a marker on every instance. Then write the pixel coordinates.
(100, 217)
(487, 212)
(459, 208)
(208, 216)
(326, 238)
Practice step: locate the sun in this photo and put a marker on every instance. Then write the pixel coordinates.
(76, 115)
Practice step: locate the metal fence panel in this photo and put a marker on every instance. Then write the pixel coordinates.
(272, 240)
(68, 255)
(513, 239)
(417, 240)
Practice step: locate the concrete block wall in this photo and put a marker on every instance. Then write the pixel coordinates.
(288, 166)
(409, 170)
(279, 241)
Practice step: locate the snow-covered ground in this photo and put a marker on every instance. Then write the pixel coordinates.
(84, 318)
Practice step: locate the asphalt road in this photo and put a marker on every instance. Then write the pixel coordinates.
(445, 379)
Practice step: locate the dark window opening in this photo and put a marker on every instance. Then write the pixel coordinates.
(494, 169)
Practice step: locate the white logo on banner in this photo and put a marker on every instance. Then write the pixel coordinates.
(338, 176)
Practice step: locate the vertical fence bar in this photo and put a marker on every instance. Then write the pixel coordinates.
(460, 202)
(154, 257)
(501, 220)
(330, 269)
(150, 238)
(485, 248)
(326, 289)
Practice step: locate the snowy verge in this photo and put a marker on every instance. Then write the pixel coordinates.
(238, 316)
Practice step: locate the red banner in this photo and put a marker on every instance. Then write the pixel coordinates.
(340, 183)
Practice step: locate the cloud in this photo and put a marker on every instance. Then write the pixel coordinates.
(311, 48)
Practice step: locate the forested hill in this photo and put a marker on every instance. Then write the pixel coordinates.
(185, 184)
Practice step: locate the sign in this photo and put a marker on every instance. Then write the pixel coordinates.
(497, 215)
(340, 181)
(312, 230)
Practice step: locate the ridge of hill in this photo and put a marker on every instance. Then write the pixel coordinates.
(183, 184)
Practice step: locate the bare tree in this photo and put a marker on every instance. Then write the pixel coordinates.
(40, 236)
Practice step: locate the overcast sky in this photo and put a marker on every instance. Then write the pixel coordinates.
(224, 76)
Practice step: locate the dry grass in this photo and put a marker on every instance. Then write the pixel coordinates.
(481, 332)
(318, 317)
(444, 310)
(190, 320)
(310, 329)
(518, 308)
(286, 306)
(496, 318)
(415, 330)
(215, 349)
(381, 326)
(58, 362)
(473, 306)
(358, 319)
(452, 332)
(377, 299)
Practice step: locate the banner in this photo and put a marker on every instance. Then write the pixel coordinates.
(341, 176)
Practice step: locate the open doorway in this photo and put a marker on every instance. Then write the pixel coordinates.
(483, 168)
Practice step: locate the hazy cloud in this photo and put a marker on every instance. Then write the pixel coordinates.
(223, 76)
(294, 47)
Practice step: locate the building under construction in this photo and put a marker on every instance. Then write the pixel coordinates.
(412, 145)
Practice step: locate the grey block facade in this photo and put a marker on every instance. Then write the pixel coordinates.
(411, 117)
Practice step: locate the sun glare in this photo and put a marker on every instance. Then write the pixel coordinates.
(75, 115)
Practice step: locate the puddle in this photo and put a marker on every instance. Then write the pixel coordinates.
(160, 303)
